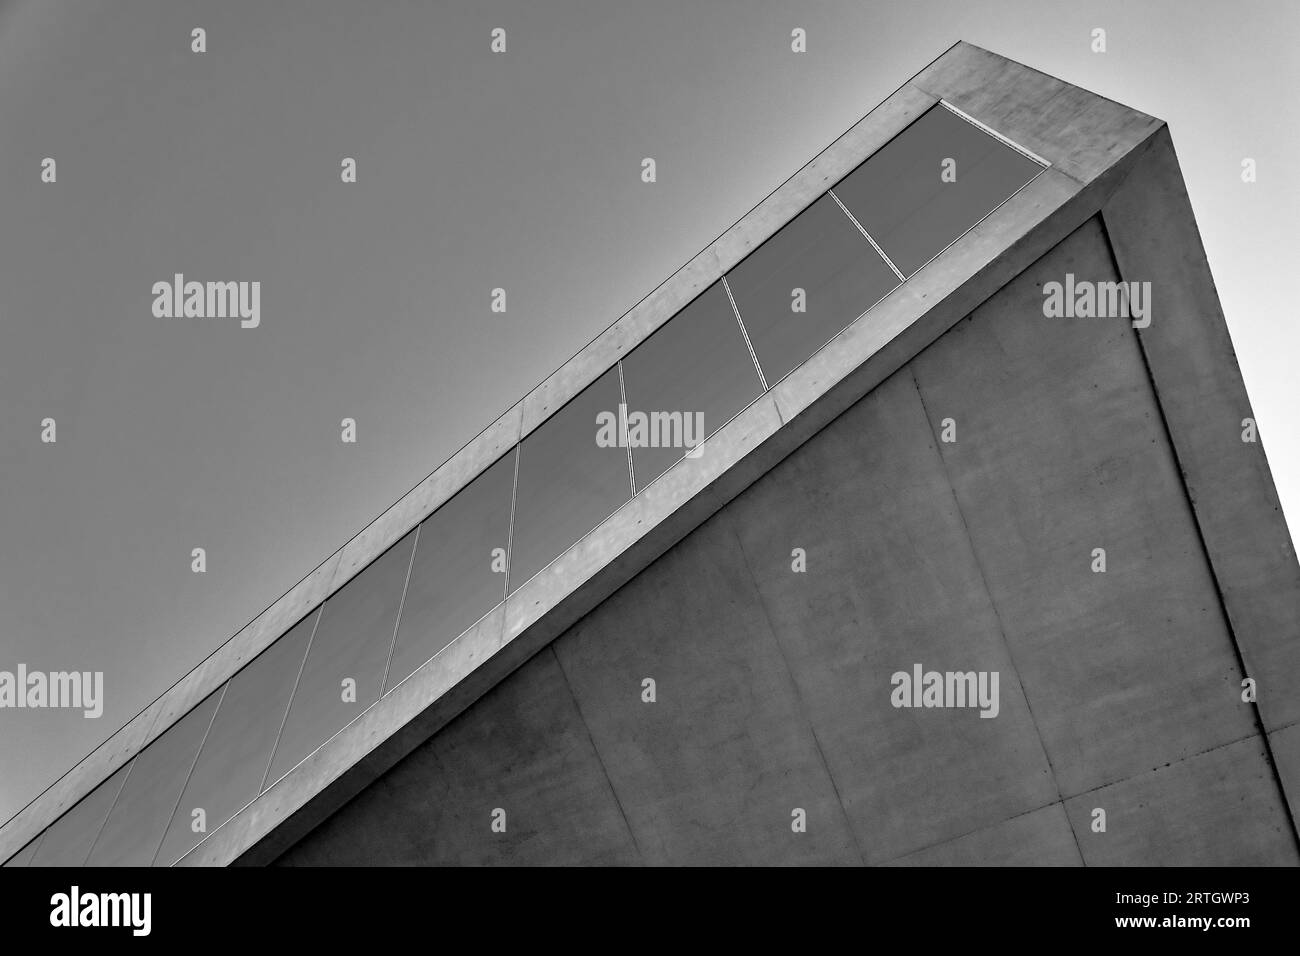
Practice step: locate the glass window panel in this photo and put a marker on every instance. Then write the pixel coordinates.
(568, 483)
(68, 839)
(24, 856)
(821, 252)
(900, 198)
(352, 641)
(144, 808)
(697, 369)
(237, 750)
(453, 583)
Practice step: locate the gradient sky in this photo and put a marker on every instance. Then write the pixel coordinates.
(475, 170)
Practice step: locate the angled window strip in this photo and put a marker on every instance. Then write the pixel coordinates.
(458, 573)
(568, 483)
(68, 841)
(685, 381)
(931, 184)
(344, 670)
(804, 285)
(139, 819)
(238, 747)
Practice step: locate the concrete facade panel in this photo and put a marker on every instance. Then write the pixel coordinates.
(713, 770)
(1285, 747)
(1204, 402)
(890, 582)
(1041, 837)
(1219, 808)
(1060, 451)
(524, 750)
(1078, 132)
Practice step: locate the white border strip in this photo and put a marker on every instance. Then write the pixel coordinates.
(1028, 154)
(762, 377)
(862, 229)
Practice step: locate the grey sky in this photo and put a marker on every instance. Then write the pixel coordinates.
(474, 171)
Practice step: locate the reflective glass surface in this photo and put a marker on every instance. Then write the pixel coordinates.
(68, 840)
(685, 381)
(24, 856)
(901, 197)
(459, 570)
(237, 750)
(144, 808)
(568, 483)
(799, 289)
(352, 643)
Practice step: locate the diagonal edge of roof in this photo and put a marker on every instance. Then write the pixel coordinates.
(1084, 136)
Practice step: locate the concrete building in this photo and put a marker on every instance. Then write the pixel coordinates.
(980, 562)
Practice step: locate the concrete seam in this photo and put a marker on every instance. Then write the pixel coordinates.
(988, 593)
(1065, 800)
(981, 829)
(1171, 763)
(798, 696)
(1238, 653)
(613, 791)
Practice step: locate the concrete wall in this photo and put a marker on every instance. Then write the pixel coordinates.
(1118, 691)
